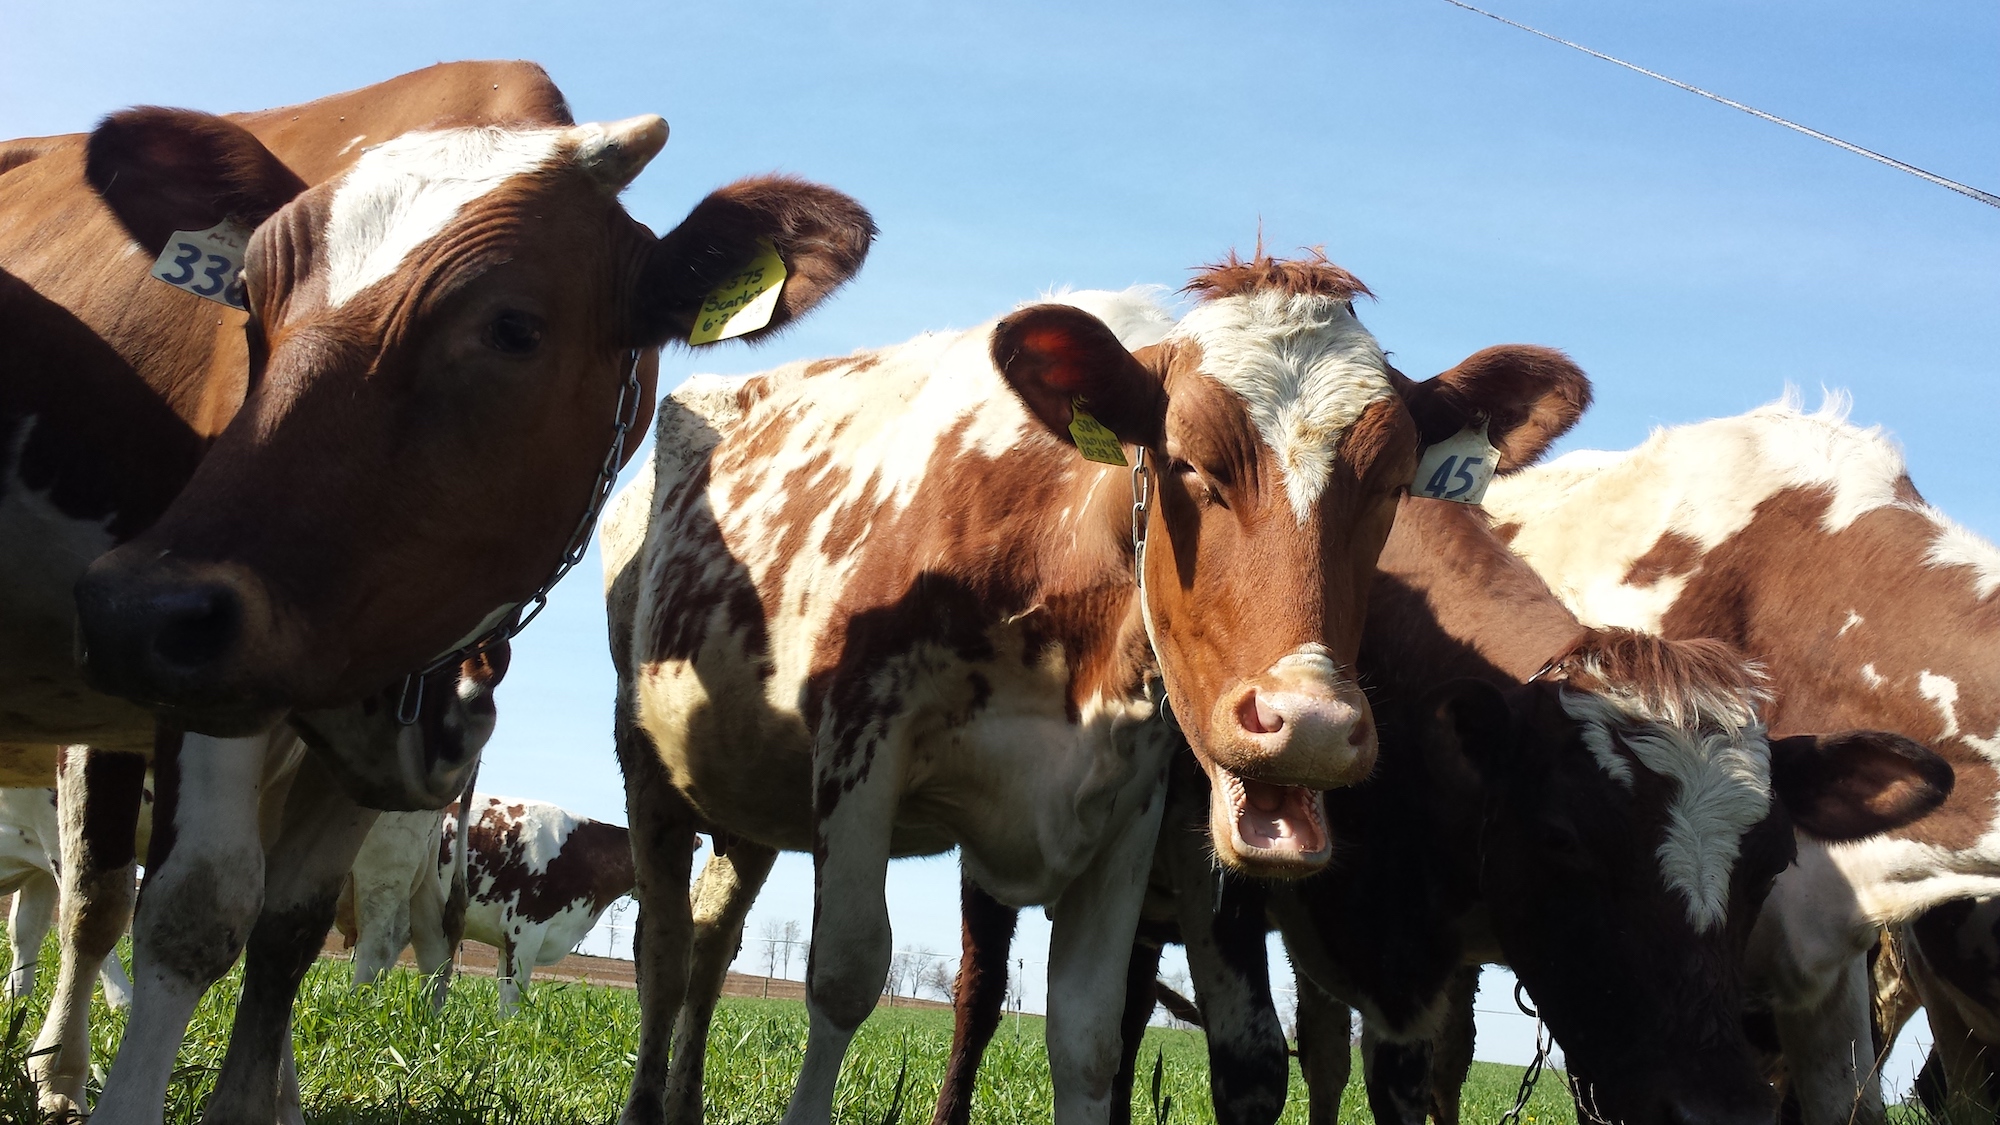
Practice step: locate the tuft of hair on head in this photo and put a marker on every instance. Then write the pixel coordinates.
(1311, 275)
(1686, 683)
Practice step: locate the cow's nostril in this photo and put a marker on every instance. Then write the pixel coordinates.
(197, 626)
(1256, 716)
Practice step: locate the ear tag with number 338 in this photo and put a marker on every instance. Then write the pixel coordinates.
(745, 302)
(207, 263)
(1093, 439)
(1458, 468)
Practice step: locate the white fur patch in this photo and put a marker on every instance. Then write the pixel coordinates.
(1719, 762)
(1305, 369)
(1853, 619)
(1956, 545)
(1870, 676)
(404, 191)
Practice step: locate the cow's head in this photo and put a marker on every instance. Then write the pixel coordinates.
(1278, 440)
(1628, 836)
(388, 764)
(439, 338)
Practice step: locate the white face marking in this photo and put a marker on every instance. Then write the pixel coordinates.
(1853, 619)
(1720, 765)
(1305, 369)
(1870, 676)
(1942, 691)
(349, 146)
(404, 191)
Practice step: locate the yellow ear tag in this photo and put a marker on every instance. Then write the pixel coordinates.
(745, 302)
(1092, 440)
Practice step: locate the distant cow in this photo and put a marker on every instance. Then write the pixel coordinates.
(537, 879)
(934, 595)
(1800, 538)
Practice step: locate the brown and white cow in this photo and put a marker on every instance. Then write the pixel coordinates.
(1799, 538)
(1598, 808)
(537, 879)
(884, 605)
(449, 311)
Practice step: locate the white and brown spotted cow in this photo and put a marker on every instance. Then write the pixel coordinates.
(884, 605)
(536, 879)
(448, 317)
(1799, 538)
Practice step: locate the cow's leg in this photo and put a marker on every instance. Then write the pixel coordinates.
(98, 795)
(1140, 1000)
(1451, 1062)
(1223, 928)
(1398, 1076)
(517, 965)
(986, 935)
(851, 939)
(204, 890)
(1963, 1065)
(722, 899)
(1326, 1052)
(427, 937)
(321, 830)
(1090, 947)
(28, 919)
(662, 828)
(1829, 1049)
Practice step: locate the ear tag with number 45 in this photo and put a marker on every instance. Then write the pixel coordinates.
(1093, 439)
(207, 263)
(1458, 468)
(745, 302)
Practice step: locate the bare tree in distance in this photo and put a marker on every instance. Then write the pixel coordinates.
(938, 977)
(792, 942)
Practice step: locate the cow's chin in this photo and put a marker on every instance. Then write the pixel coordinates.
(1272, 831)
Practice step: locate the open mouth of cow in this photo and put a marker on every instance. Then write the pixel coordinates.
(1283, 824)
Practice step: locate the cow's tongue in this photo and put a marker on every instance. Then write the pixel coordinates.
(1278, 817)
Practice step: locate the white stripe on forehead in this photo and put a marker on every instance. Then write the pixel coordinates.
(1305, 369)
(1719, 763)
(403, 191)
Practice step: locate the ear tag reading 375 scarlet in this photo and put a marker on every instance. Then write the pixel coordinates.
(745, 302)
(1093, 439)
(1458, 468)
(207, 263)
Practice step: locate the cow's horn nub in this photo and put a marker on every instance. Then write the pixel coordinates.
(615, 152)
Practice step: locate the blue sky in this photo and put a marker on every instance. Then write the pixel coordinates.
(1489, 186)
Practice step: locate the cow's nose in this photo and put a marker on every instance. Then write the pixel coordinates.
(1317, 718)
(196, 625)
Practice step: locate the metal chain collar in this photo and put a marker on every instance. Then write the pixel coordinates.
(624, 417)
(1534, 1072)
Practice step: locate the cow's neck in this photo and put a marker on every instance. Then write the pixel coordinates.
(1858, 630)
(1451, 600)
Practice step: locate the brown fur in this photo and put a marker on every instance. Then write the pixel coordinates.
(1310, 276)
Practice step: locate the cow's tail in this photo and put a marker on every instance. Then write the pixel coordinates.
(457, 896)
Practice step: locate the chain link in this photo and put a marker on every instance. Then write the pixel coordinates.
(1534, 1072)
(1142, 495)
(624, 418)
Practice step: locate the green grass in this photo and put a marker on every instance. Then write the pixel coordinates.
(381, 1058)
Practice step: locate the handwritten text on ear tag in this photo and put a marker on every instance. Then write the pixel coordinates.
(745, 302)
(207, 263)
(1093, 440)
(1458, 468)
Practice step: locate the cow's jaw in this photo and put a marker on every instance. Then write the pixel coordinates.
(1267, 828)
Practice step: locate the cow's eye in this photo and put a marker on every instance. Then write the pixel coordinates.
(514, 332)
(1197, 483)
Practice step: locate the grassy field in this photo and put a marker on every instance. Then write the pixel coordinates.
(381, 1058)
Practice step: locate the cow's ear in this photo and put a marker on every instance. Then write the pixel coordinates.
(1464, 729)
(1058, 356)
(1849, 786)
(166, 170)
(821, 235)
(1528, 396)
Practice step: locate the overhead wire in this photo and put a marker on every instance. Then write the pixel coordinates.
(1985, 197)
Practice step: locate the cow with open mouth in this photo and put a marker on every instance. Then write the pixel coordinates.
(940, 594)
(353, 466)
